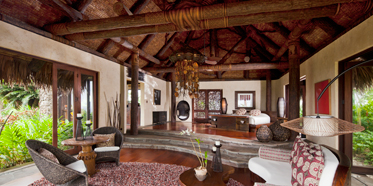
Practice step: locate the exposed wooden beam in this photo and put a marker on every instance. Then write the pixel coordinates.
(229, 67)
(134, 48)
(82, 5)
(328, 26)
(144, 43)
(73, 14)
(214, 48)
(166, 46)
(139, 6)
(230, 52)
(106, 46)
(261, 38)
(268, 91)
(207, 24)
(246, 74)
(235, 9)
(294, 35)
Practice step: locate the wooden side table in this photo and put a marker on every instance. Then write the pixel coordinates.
(213, 178)
(87, 154)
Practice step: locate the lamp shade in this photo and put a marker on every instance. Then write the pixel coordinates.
(326, 126)
(224, 106)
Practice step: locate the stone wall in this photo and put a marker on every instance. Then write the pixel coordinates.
(46, 101)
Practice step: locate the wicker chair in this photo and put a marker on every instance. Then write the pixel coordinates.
(109, 155)
(56, 173)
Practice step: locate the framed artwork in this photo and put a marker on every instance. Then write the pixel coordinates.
(157, 97)
(244, 99)
(324, 102)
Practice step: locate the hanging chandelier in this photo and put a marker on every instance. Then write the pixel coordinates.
(187, 60)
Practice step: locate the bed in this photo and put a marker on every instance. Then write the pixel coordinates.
(240, 122)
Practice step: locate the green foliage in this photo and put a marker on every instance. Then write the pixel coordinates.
(363, 115)
(17, 95)
(13, 150)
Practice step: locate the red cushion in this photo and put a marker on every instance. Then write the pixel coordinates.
(307, 164)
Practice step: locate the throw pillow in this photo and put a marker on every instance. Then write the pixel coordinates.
(241, 111)
(109, 143)
(309, 165)
(296, 148)
(255, 112)
(274, 154)
(48, 154)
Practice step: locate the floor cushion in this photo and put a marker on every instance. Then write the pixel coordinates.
(109, 143)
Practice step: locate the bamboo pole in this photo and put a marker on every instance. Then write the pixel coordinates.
(228, 67)
(195, 13)
(330, 10)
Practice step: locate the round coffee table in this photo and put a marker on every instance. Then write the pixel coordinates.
(213, 178)
(87, 154)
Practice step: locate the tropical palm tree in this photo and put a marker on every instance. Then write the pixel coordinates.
(18, 95)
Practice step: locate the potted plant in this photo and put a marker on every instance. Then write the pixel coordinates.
(201, 171)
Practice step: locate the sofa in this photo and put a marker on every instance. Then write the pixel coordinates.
(274, 167)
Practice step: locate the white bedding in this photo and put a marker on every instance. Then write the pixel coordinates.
(258, 120)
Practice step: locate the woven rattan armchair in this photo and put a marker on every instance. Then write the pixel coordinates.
(109, 155)
(56, 173)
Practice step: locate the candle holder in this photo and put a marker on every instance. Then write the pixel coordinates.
(88, 131)
(217, 166)
(213, 159)
(79, 135)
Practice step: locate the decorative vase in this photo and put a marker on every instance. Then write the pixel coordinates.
(264, 134)
(200, 173)
(279, 133)
(281, 107)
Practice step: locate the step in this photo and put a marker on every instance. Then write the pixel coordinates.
(223, 139)
(239, 161)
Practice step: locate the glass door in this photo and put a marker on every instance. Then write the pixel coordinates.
(74, 91)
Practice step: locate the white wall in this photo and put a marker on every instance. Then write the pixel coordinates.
(147, 98)
(324, 65)
(20, 40)
(229, 88)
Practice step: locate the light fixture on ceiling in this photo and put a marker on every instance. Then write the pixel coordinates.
(246, 59)
(324, 125)
(187, 60)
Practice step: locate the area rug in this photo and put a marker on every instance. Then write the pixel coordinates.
(135, 174)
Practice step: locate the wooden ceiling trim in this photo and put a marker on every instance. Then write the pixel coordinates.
(294, 35)
(82, 5)
(210, 12)
(166, 46)
(66, 9)
(139, 6)
(142, 46)
(328, 26)
(206, 24)
(106, 46)
(228, 67)
(262, 39)
(214, 48)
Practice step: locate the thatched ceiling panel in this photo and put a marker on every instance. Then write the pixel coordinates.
(156, 44)
(349, 13)
(136, 40)
(151, 7)
(142, 63)
(289, 25)
(315, 37)
(32, 12)
(96, 11)
(93, 44)
(123, 56)
(235, 58)
(114, 49)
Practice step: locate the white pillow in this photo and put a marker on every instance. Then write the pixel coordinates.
(255, 112)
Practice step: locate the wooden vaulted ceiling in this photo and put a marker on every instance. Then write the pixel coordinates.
(229, 29)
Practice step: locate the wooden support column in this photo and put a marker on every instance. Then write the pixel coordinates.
(173, 100)
(268, 91)
(294, 83)
(134, 90)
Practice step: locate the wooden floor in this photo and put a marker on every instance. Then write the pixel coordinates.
(170, 157)
(202, 128)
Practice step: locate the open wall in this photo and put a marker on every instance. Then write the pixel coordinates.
(109, 74)
(229, 88)
(323, 66)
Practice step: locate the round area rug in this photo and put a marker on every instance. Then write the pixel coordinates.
(136, 174)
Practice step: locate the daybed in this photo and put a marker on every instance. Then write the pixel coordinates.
(273, 167)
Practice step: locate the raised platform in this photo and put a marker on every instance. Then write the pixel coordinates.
(235, 152)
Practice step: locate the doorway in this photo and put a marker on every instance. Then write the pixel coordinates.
(208, 102)
(74, 91)
(302, 98)
(128, 103)
(356, 106)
